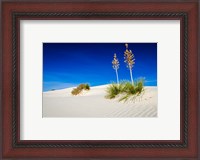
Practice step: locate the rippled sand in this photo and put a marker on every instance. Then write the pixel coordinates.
(60, 103)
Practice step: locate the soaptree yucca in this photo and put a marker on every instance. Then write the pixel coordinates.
(115, 64)
(129, 60)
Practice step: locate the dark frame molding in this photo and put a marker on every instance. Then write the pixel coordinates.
(16, 17)
(184, 10)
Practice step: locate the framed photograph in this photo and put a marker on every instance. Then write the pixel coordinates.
(75, 80)
(100, 79)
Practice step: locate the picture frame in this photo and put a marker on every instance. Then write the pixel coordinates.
(186, 12)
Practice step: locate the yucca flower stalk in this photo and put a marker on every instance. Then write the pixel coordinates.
(129, 60)
(115, 64)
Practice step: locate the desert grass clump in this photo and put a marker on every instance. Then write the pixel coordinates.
(75, 91)
(130, 92)
(113, 90)
(87, 87)
(125, 90)
(80, 88)
(139, 86)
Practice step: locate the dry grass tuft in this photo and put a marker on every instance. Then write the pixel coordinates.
(80, 88)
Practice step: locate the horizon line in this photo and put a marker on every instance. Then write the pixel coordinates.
(53, 89)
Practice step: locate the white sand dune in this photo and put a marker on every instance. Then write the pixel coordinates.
(92, 103)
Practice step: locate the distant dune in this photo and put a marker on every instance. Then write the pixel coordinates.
(92, 103)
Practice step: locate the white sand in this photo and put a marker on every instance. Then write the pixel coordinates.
(61, 103)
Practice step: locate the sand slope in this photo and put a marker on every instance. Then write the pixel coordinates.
(60, 103)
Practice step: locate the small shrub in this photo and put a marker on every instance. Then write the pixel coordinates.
(79, 89)
(81, 86)
(76, 91)
(87, 87)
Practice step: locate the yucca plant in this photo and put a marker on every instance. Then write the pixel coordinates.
(113, 90)
(129, 60)
(132, 91)
(139, 86)
(126, 90)
(115, 64)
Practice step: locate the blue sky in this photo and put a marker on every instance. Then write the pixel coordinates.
(69, 64)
